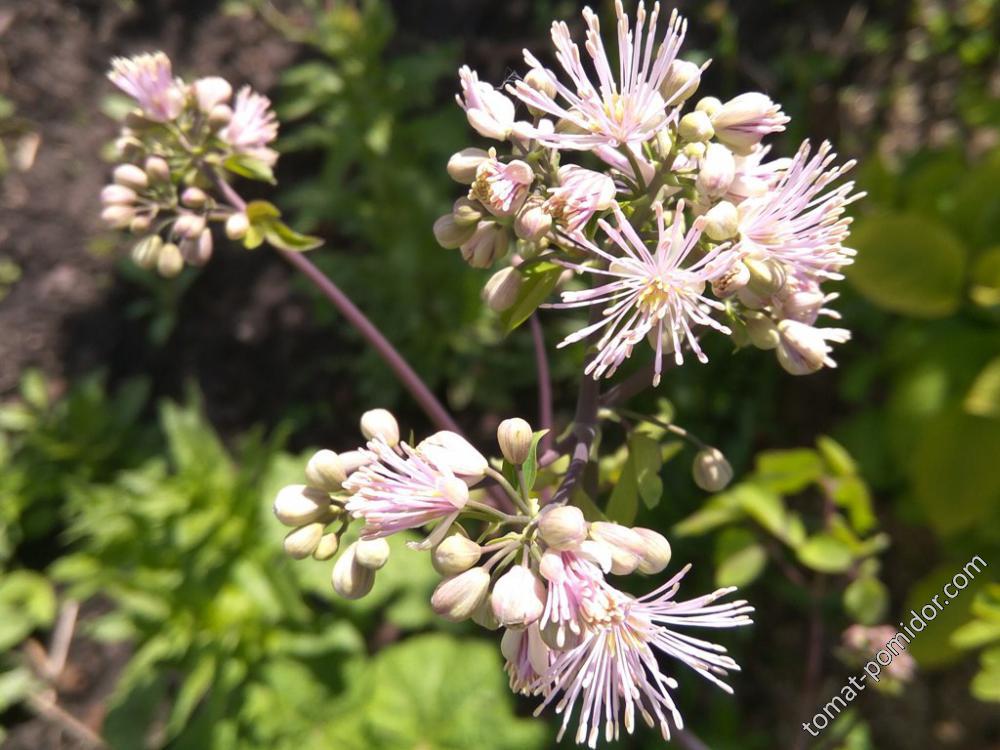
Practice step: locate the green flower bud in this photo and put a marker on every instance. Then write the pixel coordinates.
(711, 470)
(722, 221)
(696, 127)
(761, 330)
(681, 82)
(514, 436)
(709, 105)
(450, 234)
(467, 212)
(501, 291)
(767, 277)
(146, 251)
(456, 598)
(462, 166)
(157, 169)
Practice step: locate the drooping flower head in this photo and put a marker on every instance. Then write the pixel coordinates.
(647, 293)
(149, 79)
(404, 490)
(609, 106)
(800, 221)
(253, 125)
(613, 673)
(489, 111)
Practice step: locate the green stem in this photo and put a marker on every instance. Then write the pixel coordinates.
(519, 499)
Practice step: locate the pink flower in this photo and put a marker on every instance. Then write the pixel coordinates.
(404, 490)
(614, 672)
(743, 121)
(581, 193)
(501, 188)
(573, 580)
(754, 177)
(623, 109)
(253, 125)
(527, 659)
(149, 79)
(648, 293)
(800, 221)
(490, 113)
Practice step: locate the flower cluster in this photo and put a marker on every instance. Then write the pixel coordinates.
(542, 575)
(169, 149)
(689, 228)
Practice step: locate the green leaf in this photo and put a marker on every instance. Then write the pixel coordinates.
(719, 510)
(825, 554)
(530, 467)
(954, 471)
(34, 390)
(934, 646)
(908, 264)
(851, 494)
(788, 471)
(539, 281)
(623, 505)
(739, 558)
(983, 398)
(195, 685)
(986, 685)
(250, 167)
(647, 461)
(866, 600)
(283, 237)
(837, 459)
(985, 289)
(259, 212)
(16, 685)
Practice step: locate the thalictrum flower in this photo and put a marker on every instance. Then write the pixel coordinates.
(149, 79)
(253, 125)
(647, 292)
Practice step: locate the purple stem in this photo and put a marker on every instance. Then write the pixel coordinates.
(399, 366)
(544, 382)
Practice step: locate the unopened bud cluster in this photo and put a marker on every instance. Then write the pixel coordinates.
(171, 148)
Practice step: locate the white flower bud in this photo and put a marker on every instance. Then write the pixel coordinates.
(709, 105)
(455, 554)
(210, 91)
(681, 82)
(327, 547)
(350, 580)
(655, 552)
(189, 226)
(466, 212)
(562, 527)
(379, 423)
(501, 291)
(325, 471)
(767, 277)
(117, 194)
(533, 222)
(302, 542)
(695, 127)
(298, 505)
(118, 216)
(157, 169)
(693, 151)
(711, 470)
(484, 617)
(169, 262)
(718, 170)
(804, 349)
(131, 176)
(354, 460)
(514, 436)
(518, 597)
(450, 234)
(146, 251)
(761, 330)
(731, 281)
(456, 598)
(197, 252)
(488, 243)
(372, 553)
(140, 224)
(449, 449)
(722, 221)
(194, 197)
(462, 165)
(237, 226)
(220, 116)
(541, 81)
(625, 545)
